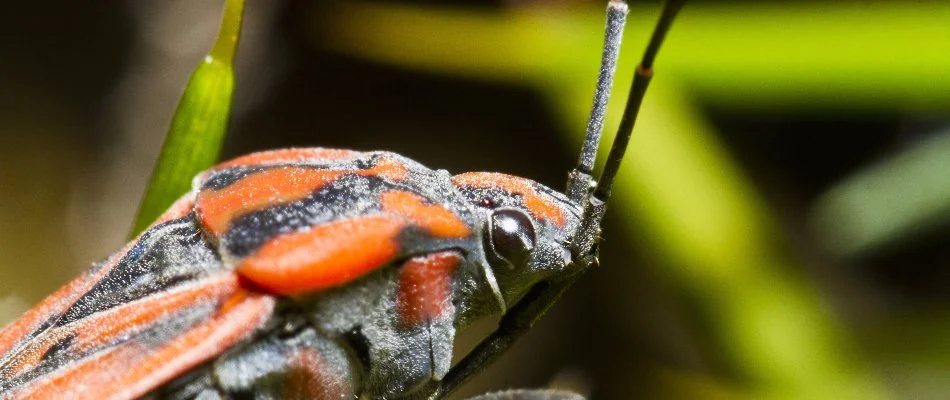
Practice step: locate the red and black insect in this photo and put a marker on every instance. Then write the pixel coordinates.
(320, 273)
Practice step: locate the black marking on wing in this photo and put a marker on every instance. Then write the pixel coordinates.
(346, 196)
(48, 323)
(165, 256)
(59, 347)
(224, 178)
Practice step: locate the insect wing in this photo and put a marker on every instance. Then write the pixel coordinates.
(162, 305)
(132, 366)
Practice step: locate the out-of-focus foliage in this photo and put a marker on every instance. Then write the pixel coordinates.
(901, 196)
(761, 54)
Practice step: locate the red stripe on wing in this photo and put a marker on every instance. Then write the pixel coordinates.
(281, 185)
(180, 208)
(23, 329)
(282, 156)
(108, 327)
(133, 368)
(326, 256)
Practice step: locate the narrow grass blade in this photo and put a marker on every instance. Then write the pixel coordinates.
(198, 127)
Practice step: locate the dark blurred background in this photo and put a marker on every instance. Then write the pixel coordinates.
(780, 226)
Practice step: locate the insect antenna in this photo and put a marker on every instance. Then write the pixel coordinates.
(523, 315)
(596, 205)
(580, 182)
(641, 80)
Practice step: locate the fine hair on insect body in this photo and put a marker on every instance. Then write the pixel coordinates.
(315, 272)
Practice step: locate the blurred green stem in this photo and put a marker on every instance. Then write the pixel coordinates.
(888, 201)
(199, 125)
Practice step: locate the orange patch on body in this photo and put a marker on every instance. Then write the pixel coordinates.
(536, 204)
(132, 369)
(31, 355)
(438, 220)
(217, 208)
(312, 378)
(338, 252)
(389, 169)
(327, 255)
(425, 287)
(287, 156)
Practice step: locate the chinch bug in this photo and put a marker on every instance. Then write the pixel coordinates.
(320, 273)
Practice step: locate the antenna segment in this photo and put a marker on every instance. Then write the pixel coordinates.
(595, 205)
(579, 181)
(641, 80)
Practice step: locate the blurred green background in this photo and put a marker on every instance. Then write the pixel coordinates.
(780, 226)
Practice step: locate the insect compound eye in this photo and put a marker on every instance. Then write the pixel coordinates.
(512, 236)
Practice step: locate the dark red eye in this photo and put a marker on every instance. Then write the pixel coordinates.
(512, 236)
(488, 203)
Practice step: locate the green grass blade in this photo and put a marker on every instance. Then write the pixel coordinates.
(889, 201)
(198, 127)
(750, 55)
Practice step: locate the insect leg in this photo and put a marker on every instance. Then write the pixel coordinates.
(302, 364)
